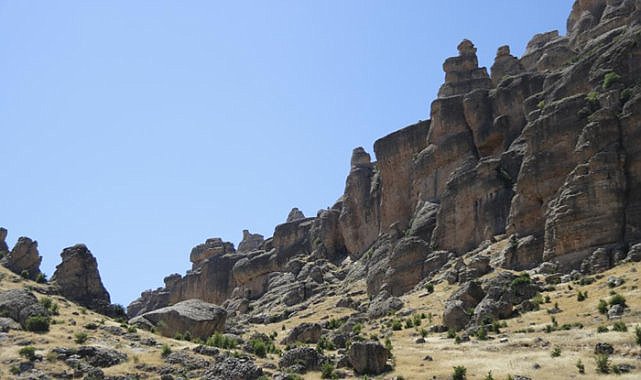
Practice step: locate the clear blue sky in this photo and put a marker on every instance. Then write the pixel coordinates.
(141, 128)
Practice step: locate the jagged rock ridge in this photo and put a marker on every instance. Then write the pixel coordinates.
(542, 153)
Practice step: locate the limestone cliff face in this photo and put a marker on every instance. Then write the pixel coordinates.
(544, 152)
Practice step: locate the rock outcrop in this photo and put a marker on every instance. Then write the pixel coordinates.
(19, 305)
(251, 242)
(200, 319)
(4, 248)
(24, 258)
(77, 278)
(368, 357)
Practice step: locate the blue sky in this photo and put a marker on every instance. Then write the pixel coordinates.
(141, 128)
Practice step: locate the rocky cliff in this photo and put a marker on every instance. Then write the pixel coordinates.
(541, 153)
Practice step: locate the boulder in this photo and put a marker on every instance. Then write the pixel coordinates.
(212, 247)
(603, 349)
(304, 333)
(383, 305)
(231, 368)
(307, 357)
(19, 305)
(197, 317)
(459, 308)
(294, 215)
(4, 248)
(24, 258)
(77, 278)
(368, 357)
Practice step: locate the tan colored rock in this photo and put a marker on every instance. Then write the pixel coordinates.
(200, 319)
(394, 154)
(212, 247)
(294, 215)
(4, 248)
(462, 73)
(504, 64)
(78, 279)
(251, 242)
(24, 258)
(359, 217)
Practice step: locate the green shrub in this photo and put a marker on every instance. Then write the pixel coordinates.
(602, 329)
(37, 323)
(80, 337)
(556, 352)
(602, 307)
(637, 334)
(423, 333)
(417, 320)
(592, 97)
(221, 341)
(357, 328)
(165, 350)
(258, 347)
(619, 327)
(626, 94)
(14, 369)
(131, 329)
(522, 279)
(540, 105)
(327, 371)
(187, 336)
(178, 335)
(24, 274)
(388, 344)
(481, 333)
(580, 366)
(617, 299)
(451, 334)
(429, 288)
(459, 373)
(581, 296)
(610, 78)
(41, 278)
(489, 376)
(334, 324)
(397, 325)
(28, 352)
(457, 339)
(408, 323)
(602, 363)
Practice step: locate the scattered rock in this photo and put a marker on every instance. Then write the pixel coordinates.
(308, 358)
(294, 215)
(19, 305)
(383, 304)
(231, 368)
(602, 348)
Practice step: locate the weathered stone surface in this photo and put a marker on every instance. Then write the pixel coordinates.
(78, 279)
(394, 155)
(19, 305)
(212, 247)
(456, 314)
(327, 239)
(231, 368)
(383, 305)
(200, 318)
(406, 265)
(307, 357)
(504, 64)
(251, 242)
(4, 248)
(24, 257)
(368, 357)
(462, 73)
(250, 274)
(304, 333)
(359, 217)
(294, 215)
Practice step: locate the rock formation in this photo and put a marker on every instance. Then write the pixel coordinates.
(540, 158)
(251, 242)
(4, 248)
(78, 279)
(24, 258)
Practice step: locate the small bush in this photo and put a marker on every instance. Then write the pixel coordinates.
(602, 363)
(610, 78)
(429, 288)
(626, 94)
(619, 327)
(617, 299)
(602, 329)
(581, 296)
(481, 333)
(523, 279)
(397, 325)
(37, 323)
(423, 333)
(556, 352)
(186, 336)
(417, 320)
(165, 350)
(457, 339)
(357, 328)
(451, 334)
(24, 274)
(327, 371)
(334, 324)
(258, 347)
(28, 352)
(221, 341)
(637, 334)
(80, 337)
(540, 105)
(460, 373)
(388, 344)
(41, 278)
(131, 329)
(580, 366)
(592, 97)
(489, 376)
(408, 323)
(602, 307)
(14, 369)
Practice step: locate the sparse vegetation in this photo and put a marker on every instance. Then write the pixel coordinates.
(328, 371)
(522, 279)
(617, 299)
(556, 352)
(581, 296)
(37, 323)
(637, 334)
(165, 350)
(602, 329)
(460, 373)
(602, 362)
(619, 326)
(592, 97)
(602, 307)
(429, 288)
(80, 337)
(334, 324)
(41, 278)
(221, 341)
(580, 366)
(540, 105)
(397, 325)
(610, 78)
(28, 352)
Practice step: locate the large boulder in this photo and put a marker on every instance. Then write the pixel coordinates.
(304, 333)
(306, 357)
(458, 309)
(199, 318)
(251, 242)
(78, 279)
(4, 248)
(24, 257)
(231, 368)
(368, 357)
(19, 305)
